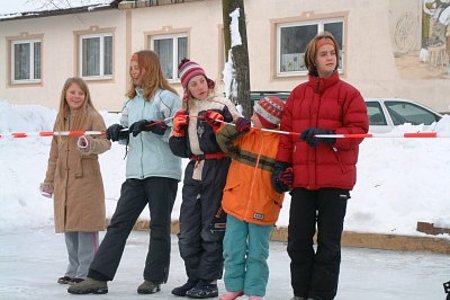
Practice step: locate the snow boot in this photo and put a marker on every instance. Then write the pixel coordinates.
(231, 295)
(64, 280)
(203, 290)
(181, 290)
(89, 286)
(148, 287)
(447, 287)
(76, 280)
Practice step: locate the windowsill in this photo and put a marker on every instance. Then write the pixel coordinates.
(291, 74)
(25, 82)
(98, 78)
(298, 74)
(174, 81)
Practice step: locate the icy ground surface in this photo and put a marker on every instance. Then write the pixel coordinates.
(32, 260)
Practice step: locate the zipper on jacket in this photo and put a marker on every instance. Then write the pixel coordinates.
(338, 157)
(142, 145)
(253, 178)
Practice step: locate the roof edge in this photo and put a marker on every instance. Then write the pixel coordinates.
(58, 12)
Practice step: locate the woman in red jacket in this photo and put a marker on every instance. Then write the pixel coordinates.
(324, 168)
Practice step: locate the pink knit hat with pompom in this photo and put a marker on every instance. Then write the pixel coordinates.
(188, 70)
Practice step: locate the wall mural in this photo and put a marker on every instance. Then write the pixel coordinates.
(428, 58)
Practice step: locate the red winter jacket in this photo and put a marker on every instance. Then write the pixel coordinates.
(325, 103)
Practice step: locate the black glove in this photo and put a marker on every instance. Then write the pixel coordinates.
(243, 124)
(282, 177)
(144, 125)
(114, 133)
(308, 135)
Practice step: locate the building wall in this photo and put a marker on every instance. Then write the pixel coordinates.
(373, 61)
(59, 58)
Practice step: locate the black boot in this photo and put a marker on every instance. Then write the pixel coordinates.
(203, 290)
(181, 290)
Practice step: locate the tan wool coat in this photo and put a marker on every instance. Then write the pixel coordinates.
(79, 198)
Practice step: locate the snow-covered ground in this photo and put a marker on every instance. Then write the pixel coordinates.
(32, 259)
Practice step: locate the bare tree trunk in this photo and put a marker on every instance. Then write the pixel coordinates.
(241, 63)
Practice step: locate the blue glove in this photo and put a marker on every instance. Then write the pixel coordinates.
(308, 135)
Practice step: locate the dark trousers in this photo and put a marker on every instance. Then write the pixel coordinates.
(315, 274)
(159, 193)
(200, 247)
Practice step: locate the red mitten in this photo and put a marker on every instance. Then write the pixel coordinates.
(287, 177)
(243, 124)
(180, 121)
(214, 119)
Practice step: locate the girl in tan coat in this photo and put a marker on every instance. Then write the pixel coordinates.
(73, 178)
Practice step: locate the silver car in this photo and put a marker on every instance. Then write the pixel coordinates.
(386, 113)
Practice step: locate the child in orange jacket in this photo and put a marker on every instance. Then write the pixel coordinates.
(249, 199)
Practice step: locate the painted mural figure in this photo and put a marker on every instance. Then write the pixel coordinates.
(193, 137)
(74, 180)
(437, 38)
(324, 168)
(152, 176)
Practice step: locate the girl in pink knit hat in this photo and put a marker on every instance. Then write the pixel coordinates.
(193, 137)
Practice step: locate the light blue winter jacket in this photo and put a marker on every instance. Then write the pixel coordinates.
(148, 153)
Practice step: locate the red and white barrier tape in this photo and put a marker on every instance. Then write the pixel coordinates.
(367, 135)
(18, 135)
(385, 135)
(360, 135)
(295, 134)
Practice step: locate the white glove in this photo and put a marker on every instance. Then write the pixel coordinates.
(46, 190)
(84, 144)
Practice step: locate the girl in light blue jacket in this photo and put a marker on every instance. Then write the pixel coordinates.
(152, 176)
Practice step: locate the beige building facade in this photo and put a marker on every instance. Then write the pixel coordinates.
(390, 48)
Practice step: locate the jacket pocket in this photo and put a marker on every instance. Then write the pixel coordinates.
(232, 187)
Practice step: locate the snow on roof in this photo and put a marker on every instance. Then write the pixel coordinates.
(35, 8)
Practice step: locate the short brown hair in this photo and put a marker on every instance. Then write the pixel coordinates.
(311, 51)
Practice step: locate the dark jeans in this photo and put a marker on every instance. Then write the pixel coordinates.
(159, 193)
(200, 247)
(316, 273)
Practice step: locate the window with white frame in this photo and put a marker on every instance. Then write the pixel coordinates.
(171, 49)
(96, 56)
(292, 39)
(26, 61)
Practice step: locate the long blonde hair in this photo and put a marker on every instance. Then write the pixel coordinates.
(79, 118)
(153, 78)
